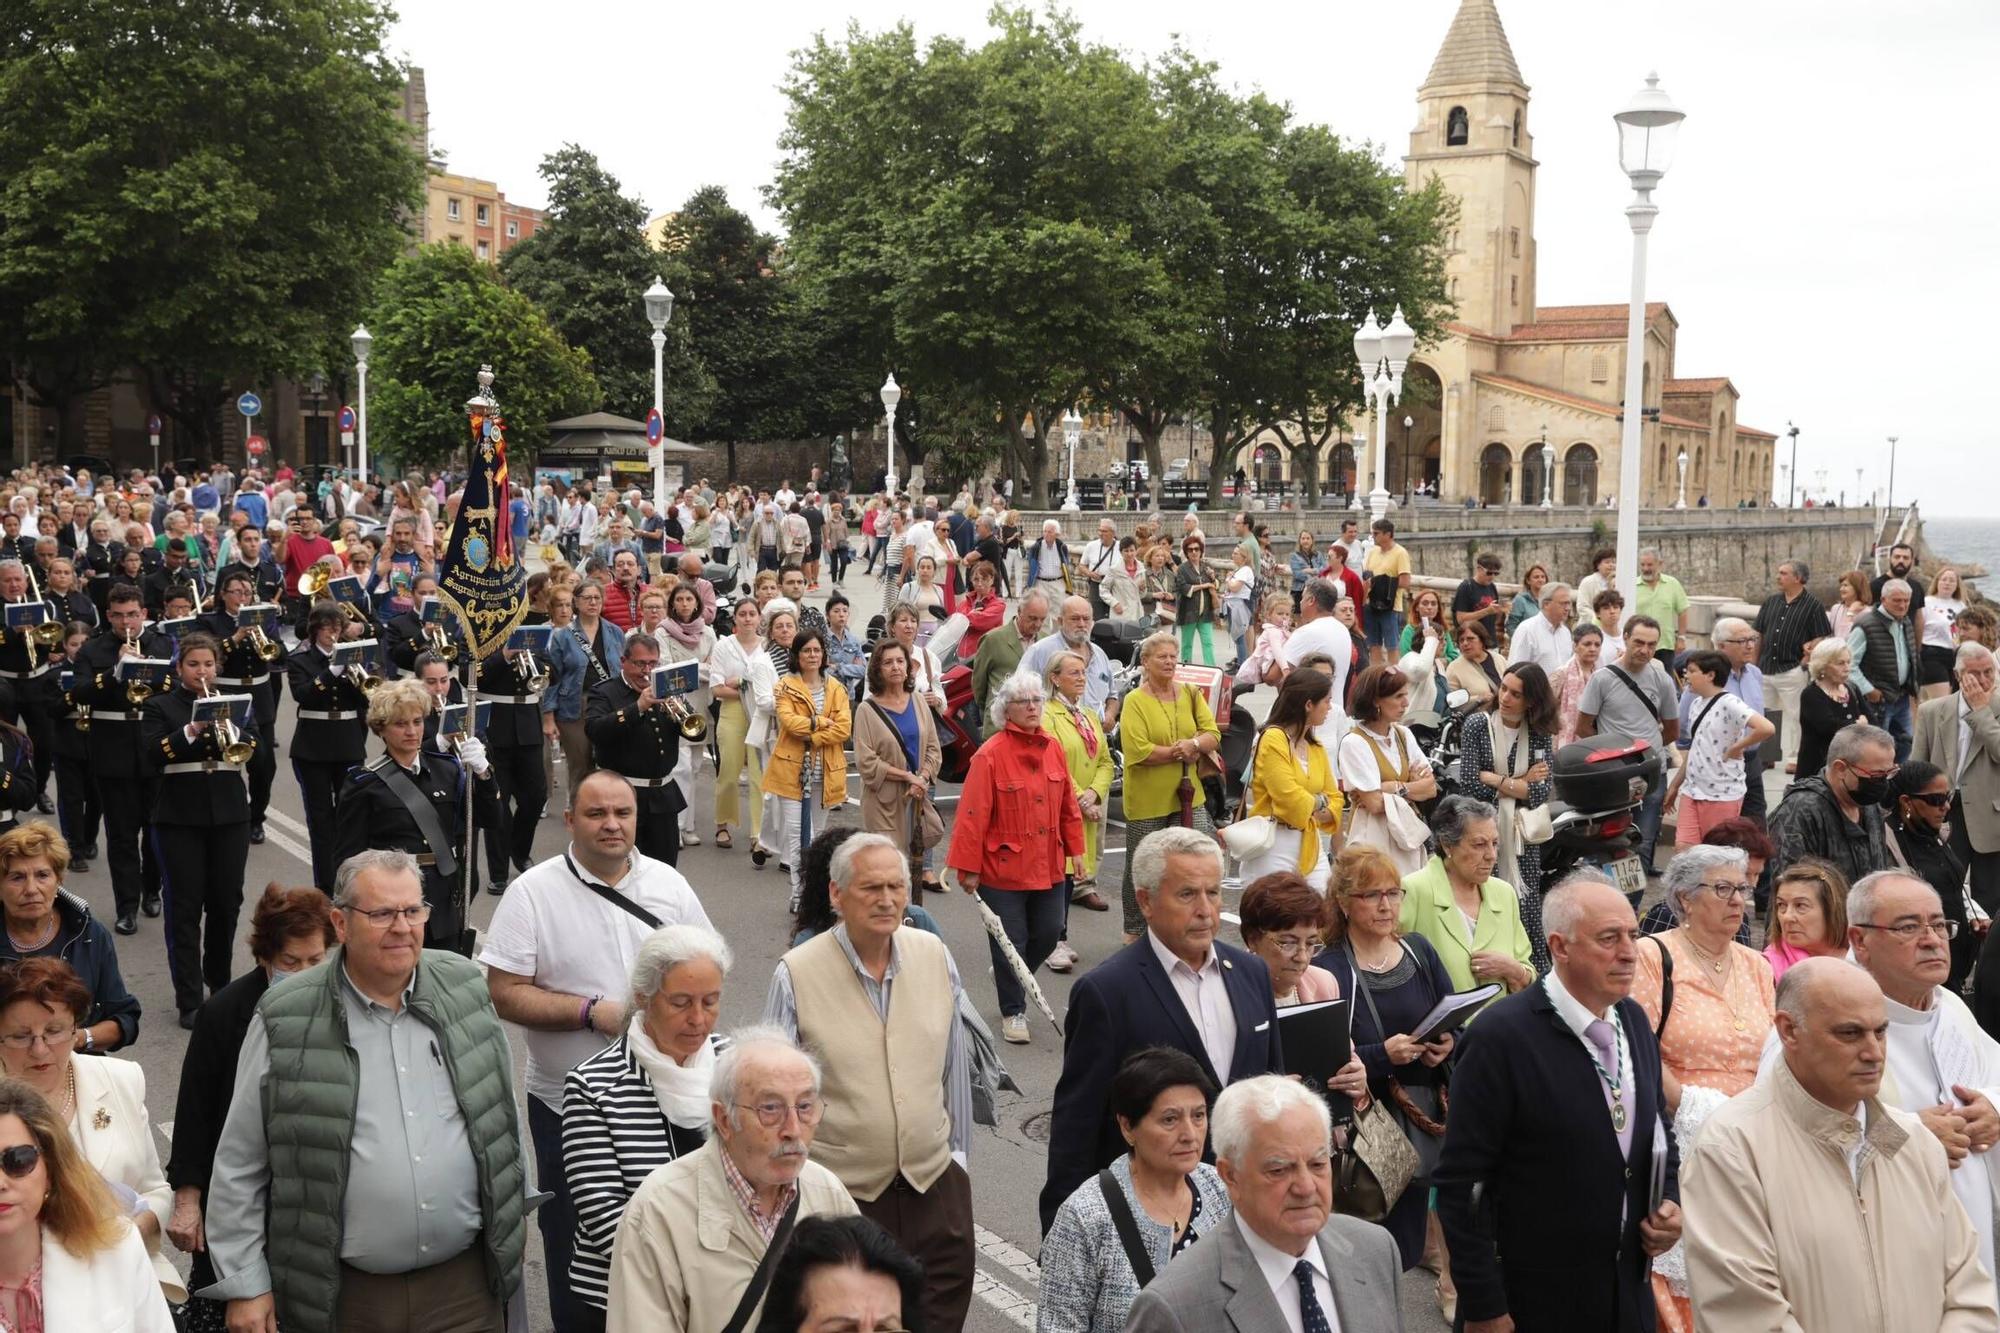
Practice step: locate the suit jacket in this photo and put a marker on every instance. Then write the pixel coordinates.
(112, 1291)
(1122, 1005)
(117, 1138)
(1936, 742)
(1530, 1186)
(1216, 1286)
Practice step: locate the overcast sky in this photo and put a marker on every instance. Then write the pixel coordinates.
(1835, 175)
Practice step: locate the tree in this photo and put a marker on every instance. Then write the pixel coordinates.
(439, 315)
(207, 192)
(589, 266)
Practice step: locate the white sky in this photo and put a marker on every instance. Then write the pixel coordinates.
(1885, 110)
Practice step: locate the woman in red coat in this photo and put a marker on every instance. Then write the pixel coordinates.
(1018, 826)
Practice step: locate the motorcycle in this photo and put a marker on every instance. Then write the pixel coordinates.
(1594, 812)
(1443, 744)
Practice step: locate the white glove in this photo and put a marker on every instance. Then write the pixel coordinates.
(472, 753)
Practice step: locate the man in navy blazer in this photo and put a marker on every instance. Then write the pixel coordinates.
(1178, 986)
(1544, 1184)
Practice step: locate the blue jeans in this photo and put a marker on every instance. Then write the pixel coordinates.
(1893, 716)
(1384, 628)
(557, 1216)
(1034, 922)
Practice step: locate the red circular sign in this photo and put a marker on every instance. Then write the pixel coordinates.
(255, 444)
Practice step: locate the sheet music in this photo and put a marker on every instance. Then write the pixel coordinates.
(1954, 1055)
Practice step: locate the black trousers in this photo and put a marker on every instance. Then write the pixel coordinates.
(319, 783)
(935, 1228)
(263, 765)
(128, 848)
(201, 872)
(76, 802)
(34, 719)
(523, 790)
(660, 823)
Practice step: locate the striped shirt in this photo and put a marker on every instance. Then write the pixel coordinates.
(1786, 628)
(614, 1135)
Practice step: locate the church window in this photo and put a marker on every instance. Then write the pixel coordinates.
(1496, 417)
(1452, 288)
(1514, 289)
(1456, 127)
(1579, 481)
(1517, 127)
(1600, 368)
(1514, 241)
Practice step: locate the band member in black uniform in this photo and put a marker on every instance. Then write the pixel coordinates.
(253, 556)
(25, 664)
(440, 681)
(412, 799)
(65, 593)
(632, 734)
(17, 773)
(175, 570)
(201, 825)
(124, 783)
(331, 735)
(403, 637)
(76, 798)
(246, 669)
(508, 681)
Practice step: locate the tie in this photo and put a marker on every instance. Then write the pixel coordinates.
(1605, 1039)
(1311, 1318)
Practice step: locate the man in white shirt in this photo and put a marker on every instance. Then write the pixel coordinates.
(1545, 639)
(1100, 555)
(1283, 1262)
(559, 956)
(1318, 632)
(1353, 542)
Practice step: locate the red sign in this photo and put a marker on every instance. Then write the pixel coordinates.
(255, 444)
(346, 418)
(153, 424)
(655, 428)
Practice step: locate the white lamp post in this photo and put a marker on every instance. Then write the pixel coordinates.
(1647, 128)
(1682, 502)
(1368, 357)
(659, 309)
(1382, 353)
(1548, 471)
(1889, 502)
(891, 395)
(362, 342)
(1072, 425)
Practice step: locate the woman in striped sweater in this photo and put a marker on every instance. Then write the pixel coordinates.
(643, 1100)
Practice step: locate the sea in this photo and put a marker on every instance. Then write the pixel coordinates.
(1966, 541)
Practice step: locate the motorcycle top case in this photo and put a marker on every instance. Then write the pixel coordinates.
(1598, 774)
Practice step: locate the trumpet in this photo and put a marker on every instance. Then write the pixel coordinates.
(534, 675)
(267, 648)
(236, 747)
(441, 643)
(691, 724)
(364, 680)
(137, 691)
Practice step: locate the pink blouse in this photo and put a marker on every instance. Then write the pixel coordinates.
(1569, 682)
(21, 1304)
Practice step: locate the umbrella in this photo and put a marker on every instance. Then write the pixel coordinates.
(1014, 959)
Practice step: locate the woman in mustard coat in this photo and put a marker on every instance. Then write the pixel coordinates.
(1087, 751)
(1292, 781)
(813, 723)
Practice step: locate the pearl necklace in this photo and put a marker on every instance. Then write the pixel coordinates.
(69, 1094)
(29, 946)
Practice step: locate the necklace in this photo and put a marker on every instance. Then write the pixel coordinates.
(29, 946)
(1394, 957)
(1715, 964)
(1724, 970)
(69, 1094)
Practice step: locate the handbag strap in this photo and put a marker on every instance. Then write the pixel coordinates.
(754, 1293)
(1633, 685)
(1666, 987)
(1397, 1094)
(611, 895)
(1128, 1227)
(1702, 717)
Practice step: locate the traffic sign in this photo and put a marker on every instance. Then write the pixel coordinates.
(347, 418)
(255, 444)
(249, 404)
(655, 428)
(153, 424)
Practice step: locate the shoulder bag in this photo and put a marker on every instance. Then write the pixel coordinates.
(1533, 826)
(1666, 987)
(759, 1280)
(1378, 1163)
(1127, 1226)
(1248, 836)
(613, 896)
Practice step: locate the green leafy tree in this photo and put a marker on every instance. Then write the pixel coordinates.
(206, 192)
(439, 315)
(589, 266)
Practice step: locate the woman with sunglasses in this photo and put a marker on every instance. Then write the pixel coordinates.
(1914, 834)
(69, 1255)
(101, 1104)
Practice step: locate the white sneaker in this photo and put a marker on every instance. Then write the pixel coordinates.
(1014, 1029)
(1063, 958)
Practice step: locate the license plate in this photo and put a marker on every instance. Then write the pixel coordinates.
(1629, 874)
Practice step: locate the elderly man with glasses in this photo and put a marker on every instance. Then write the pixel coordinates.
(1960, 733)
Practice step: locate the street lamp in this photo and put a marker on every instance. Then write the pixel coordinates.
(891, 395)
(1890, 501)
(1792, 492)
(1407, 423)
(1647, 128)
(1072, 425)
(1548, 470)
(1682, 502)
(659, 309)
(1382, 353)
(362, 342)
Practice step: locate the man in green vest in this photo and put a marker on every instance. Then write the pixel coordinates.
(370, 1175)
(1000, 650)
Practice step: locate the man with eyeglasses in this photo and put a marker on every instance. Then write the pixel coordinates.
(1941, 1066)
(394, 1051)
(692, 1242)
(1836, 814)
(1960, 733)
(878, 1001)
(558, 959)
(1813, 1201)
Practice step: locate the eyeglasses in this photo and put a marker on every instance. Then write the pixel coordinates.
(19, 1160)
(385, 917)
(1380, 895)
(1291, 944)
(1909, 931)
(1726, 890)
(770, 1114)
(55, 1038)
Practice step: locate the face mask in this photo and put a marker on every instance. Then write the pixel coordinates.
(1870, 790)
(278, 974)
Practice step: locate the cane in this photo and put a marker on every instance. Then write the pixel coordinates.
(998, 931)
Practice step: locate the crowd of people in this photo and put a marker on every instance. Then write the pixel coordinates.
(1749, 1107)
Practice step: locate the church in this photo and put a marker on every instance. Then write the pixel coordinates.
(1512, 376)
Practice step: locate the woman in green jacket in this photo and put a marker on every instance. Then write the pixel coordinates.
(1470, 918)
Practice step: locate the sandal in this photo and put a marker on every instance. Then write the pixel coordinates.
(722, 837)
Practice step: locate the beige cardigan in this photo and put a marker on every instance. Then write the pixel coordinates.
(878, 751)
(686, 1250)
(1779, 1236)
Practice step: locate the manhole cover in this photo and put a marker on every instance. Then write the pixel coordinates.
(1036, 1126)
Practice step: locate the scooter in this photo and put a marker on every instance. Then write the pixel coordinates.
(1595, 812)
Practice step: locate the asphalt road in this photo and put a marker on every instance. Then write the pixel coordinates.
(748, 907)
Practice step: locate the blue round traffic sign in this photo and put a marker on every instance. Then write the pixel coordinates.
(346, 418)
(153, 424)
(655, 428)
(249, 404)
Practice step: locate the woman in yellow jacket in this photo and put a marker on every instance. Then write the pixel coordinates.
(1292, 781)
(1167, 732)
(1087, 751)
(814, 722)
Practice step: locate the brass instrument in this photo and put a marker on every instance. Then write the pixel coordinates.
(533, 673)
(364, 680)
(136, 691)
(236, 748)
(266, 647)
(691, 724)
(83, 718)
(440, 643)
(312, 583)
